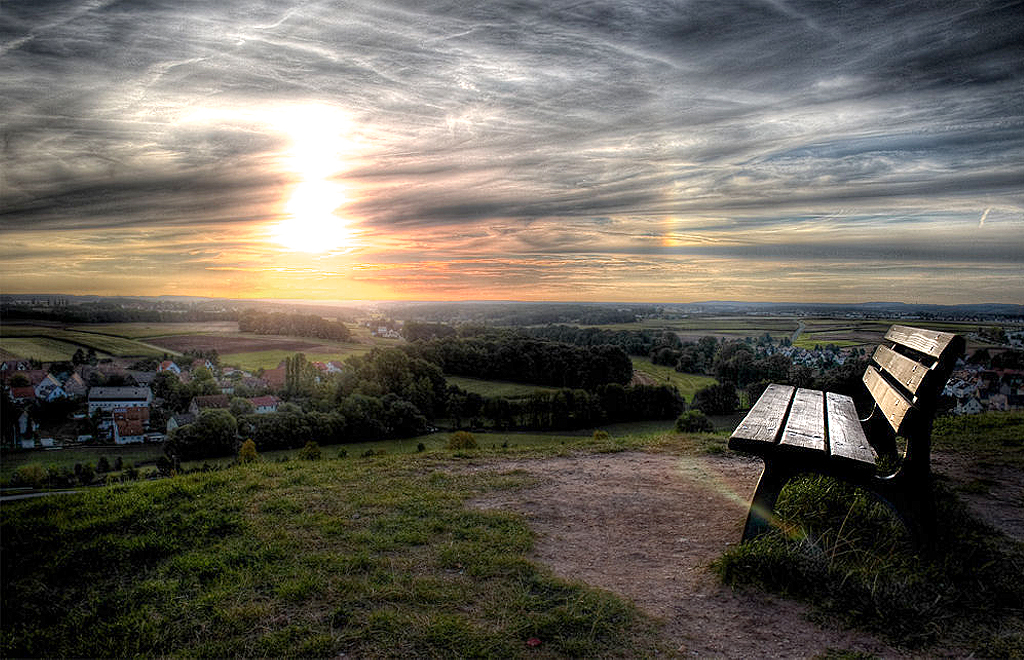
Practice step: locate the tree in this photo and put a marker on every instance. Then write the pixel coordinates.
(240, 406)
(211, 435)
(719, 399)
(78, 358)
(694, 421)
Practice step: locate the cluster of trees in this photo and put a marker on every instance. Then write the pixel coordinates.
(525, 360)
(634, 342)
(298, 325)
(565, 409)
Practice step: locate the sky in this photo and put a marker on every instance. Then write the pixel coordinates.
(589, 151)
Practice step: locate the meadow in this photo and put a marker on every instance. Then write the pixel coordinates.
(385, 556)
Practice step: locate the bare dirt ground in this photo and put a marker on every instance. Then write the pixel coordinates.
(647, 526)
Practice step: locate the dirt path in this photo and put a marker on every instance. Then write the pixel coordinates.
(647, 526)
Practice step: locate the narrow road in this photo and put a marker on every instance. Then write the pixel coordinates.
(799, 329)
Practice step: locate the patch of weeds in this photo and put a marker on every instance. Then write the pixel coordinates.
(844, 553)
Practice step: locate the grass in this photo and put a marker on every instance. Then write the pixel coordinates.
(45, 349)
(138, 453)
(367, 557)
(997, 436)
(847, 556)
(809, 340)
(255, 360)
(496, 388)
(60, 344)
(687, 384)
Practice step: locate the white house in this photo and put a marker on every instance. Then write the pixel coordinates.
(168, 365)
(109, 398)
(265, 404)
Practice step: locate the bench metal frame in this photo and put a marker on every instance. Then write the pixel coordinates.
(797, 431)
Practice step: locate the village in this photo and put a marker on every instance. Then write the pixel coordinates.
(109, 403)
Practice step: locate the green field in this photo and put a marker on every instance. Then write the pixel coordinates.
(687, 384)
(256, 360)
(60, 344)
(41, 348)
(61, 458)
(497, 388)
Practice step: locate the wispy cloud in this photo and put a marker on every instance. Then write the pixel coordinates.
(601, 133)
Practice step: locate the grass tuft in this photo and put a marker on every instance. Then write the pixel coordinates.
(847, 555)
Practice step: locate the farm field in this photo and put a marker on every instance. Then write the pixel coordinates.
(149, 330)
(687, 384)
(60, 344)
(492, 388)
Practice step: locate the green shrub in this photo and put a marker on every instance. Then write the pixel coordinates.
(32, 474)
(248, 454)
(602, 435)
(461, 440)
(421, 447)
(694, 421)
(310, 452)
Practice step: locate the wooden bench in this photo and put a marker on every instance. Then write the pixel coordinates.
(797, 430)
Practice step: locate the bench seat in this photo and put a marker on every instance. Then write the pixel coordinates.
(811, 425)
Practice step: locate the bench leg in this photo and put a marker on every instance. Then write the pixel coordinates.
(762, 506)
(914, 505)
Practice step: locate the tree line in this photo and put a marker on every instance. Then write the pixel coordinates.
(515, 358)
(298, 325)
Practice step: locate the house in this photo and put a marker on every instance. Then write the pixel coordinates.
(108, 399)
(335, 367)
(14, 365)
(179, 420)
(265, 404)
(274, 378)
(142, 377)
(168, 365)
(209, 401)
(46, 442)
(971, 406)
(226, 386)
(75, 387)
(28, 444)
(49, 388)
(196, 364)
(23, 395)
(130, 425)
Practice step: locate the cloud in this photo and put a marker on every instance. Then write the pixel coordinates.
(537, 128)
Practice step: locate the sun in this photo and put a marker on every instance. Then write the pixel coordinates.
(312, 224)
(316, 156)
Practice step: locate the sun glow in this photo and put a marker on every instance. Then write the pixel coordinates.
(317, 154)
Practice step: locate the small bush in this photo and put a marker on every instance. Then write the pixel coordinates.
(248, 454)
(311, 452)
(421, 447)
(694, 421)
(602, 435)
(343, 453)
(462, 440)
(32, 474)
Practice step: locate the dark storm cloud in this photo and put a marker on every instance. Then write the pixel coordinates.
(730, 121)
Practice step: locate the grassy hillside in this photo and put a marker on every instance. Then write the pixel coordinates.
(370, 557)
(687, 384)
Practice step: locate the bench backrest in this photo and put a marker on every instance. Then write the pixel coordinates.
(906, 378)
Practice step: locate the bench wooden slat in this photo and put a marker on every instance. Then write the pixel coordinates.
(762, 424)
(928, 342)
(908, 372)
(805, 427)
(894, 406)
(846, 439)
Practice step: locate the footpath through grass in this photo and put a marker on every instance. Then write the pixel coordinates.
(370, 557)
